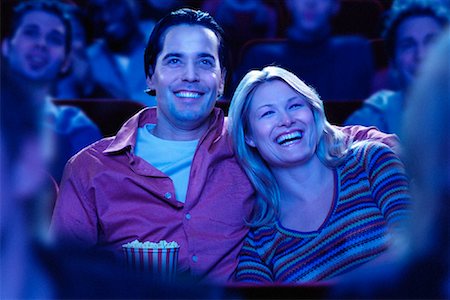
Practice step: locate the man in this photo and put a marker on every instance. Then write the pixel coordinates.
(116, 57)
(410, 30)
(170, 172)
(36, 52)
(340, 68)
(186, 186)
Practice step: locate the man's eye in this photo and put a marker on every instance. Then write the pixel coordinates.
(55, 39)
(31, 32)
(406, 46)
(206, 62)
(174, 61)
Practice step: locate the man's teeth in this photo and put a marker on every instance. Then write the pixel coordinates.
(187, 95)
(289, 138)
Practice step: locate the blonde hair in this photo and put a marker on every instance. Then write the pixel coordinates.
(331, 148)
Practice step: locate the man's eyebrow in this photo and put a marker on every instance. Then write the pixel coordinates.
(205, 54)
(171, 54)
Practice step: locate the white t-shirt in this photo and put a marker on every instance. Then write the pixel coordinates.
(173, 158)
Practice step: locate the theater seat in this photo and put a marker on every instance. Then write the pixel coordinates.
(108, 114)
(361, 17)
(338, 112)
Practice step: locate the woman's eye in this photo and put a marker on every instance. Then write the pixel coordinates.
(296, 105)
(266, 113)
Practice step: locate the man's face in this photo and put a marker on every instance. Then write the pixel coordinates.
(414, 36)
(37, 50)
(313, 15)
(187, 78)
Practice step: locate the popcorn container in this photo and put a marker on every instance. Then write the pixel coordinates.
(159, 259)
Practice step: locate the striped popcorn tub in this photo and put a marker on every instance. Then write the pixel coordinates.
(159, 259)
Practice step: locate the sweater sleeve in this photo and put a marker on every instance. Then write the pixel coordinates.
(251, 267)
(389, 184)
(359, 133)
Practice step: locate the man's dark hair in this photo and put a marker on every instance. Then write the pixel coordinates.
(179, 17)
(406, 9)
(53, 7)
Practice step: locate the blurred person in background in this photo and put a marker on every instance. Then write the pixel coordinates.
(340, 68)
(115, 57)
(153, 10)
(34, 54)
(411, 28)
(77, 81)
(422, 268)
(244, 19)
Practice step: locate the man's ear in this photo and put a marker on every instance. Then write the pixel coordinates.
(66, 64)
(249, 141)
(222, 81)
(149, 79)
(150, 84)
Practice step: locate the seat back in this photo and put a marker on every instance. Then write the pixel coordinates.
(108, 114)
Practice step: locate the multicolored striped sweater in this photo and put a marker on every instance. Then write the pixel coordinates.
(371, 199)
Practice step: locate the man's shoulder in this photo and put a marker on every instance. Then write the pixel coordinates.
(381, 99)
(92, 153)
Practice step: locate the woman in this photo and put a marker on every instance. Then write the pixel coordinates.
(325, 205)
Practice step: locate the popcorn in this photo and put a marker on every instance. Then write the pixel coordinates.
(160, 259)
(163, 244)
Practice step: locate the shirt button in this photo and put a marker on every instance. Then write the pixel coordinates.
(195, 258)
(168, 195)
(188, 216)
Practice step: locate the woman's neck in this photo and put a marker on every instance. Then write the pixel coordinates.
(298, 182)
(306, 195)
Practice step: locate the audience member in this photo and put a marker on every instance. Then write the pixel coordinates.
(77, 81)
(116, 57)
(410, 30)
(244, 19)
(170, 172)
(35, 53)
(325, 206)
(340, 68)
(23, 182)
(422, 269)
(153, 10)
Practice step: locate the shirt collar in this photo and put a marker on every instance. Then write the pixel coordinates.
(126, 137)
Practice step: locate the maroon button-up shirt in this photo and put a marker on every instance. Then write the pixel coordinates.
(109, 197)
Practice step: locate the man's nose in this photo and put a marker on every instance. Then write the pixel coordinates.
(190, 72)
(420, 53)
(40, 40)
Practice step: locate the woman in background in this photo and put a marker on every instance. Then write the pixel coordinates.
(325, 205)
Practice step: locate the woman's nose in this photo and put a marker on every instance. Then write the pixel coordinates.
(286, 119)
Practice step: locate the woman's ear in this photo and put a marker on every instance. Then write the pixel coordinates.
(249, 141)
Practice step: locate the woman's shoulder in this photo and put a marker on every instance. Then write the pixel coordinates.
(369, 152)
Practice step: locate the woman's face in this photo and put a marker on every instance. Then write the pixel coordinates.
(281, 125)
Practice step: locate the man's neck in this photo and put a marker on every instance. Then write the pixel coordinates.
(179, 133)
